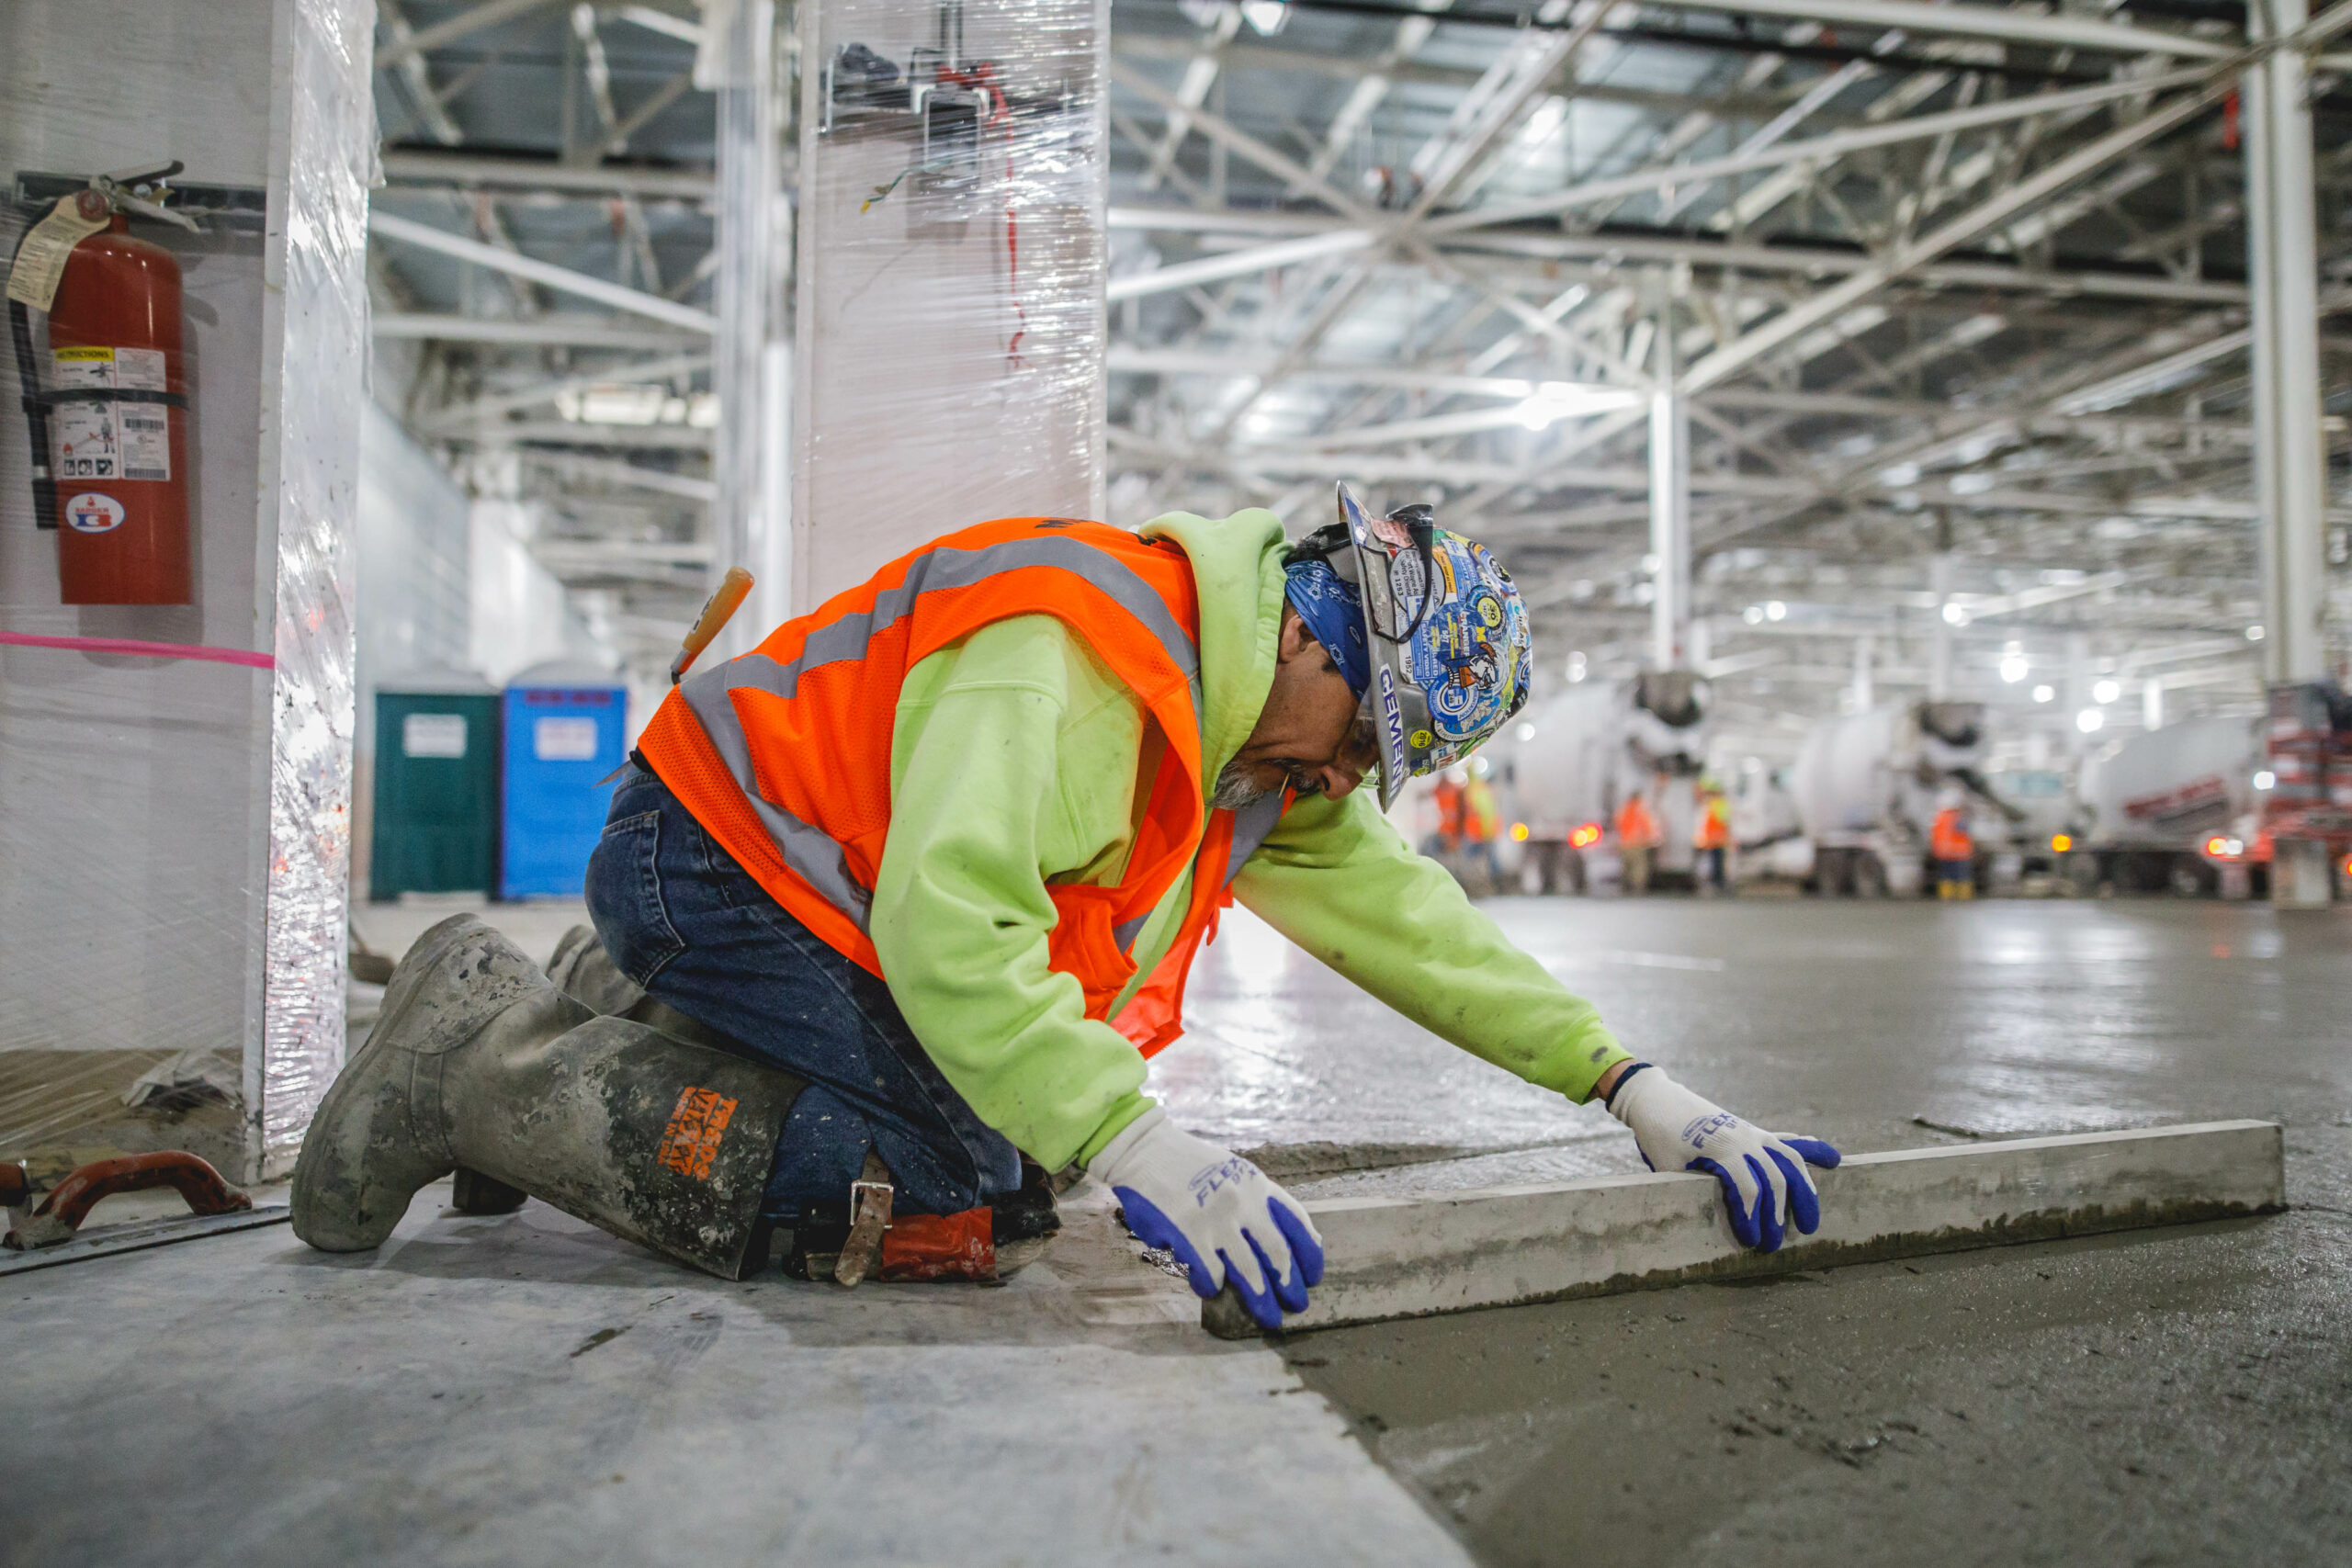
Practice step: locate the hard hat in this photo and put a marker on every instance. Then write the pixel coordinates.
(1452, 659)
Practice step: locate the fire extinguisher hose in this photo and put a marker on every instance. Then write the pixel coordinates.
(21, 333)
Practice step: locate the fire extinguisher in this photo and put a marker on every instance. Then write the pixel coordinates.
(111, 416)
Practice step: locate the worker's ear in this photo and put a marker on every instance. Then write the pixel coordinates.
(1296, 640)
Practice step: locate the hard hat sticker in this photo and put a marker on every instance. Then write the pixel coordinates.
(91, 513)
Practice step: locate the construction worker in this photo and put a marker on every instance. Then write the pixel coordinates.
(1712, 836)
(1953, 850)
(1453, 811)
(1482, 823)
(911, 891)
(1639, 837)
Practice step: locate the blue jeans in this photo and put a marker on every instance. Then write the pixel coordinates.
(681, 918)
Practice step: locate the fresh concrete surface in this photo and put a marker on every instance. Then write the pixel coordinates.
(2160, 1397)
(2169, 1397)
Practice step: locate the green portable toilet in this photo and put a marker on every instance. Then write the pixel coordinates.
(436, 785)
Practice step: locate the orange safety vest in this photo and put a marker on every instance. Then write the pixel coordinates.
(1636, 829)
(784, 755)
(1715, 826)
(1947, 840)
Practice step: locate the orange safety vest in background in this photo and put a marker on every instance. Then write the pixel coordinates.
(1636, 829)
(1947, 840)
(784, 755)
(1452, 812)
(1481, 821)
(1714, 832)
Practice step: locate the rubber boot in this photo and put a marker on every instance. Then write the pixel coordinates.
(582, 970)
(478, 1061)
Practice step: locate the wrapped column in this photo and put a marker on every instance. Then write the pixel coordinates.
(951, 267)
(173, 854)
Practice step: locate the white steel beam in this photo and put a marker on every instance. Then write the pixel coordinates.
(541, 332)
(1834, 144)
(2001, 22)
(1670, 534)
(408, 231)
(1914, 254)
(488, 15)
(2290, 461)
(471, 169)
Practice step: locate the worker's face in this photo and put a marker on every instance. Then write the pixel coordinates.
(1308, 736)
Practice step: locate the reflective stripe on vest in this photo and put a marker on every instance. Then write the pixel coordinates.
(809, 851)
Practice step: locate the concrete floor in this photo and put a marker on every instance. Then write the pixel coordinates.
(527, 1390)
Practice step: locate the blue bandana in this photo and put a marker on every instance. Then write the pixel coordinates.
(1333, 610)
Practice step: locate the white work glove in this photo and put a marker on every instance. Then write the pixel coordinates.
(1221, 1215)
(1763, 1174)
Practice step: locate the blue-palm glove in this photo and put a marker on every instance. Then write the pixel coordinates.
(1220, 1214)
(1763, 1174)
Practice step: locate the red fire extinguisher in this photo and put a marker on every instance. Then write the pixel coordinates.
(116, 409)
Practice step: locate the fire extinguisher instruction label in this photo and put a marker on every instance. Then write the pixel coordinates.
(110, 440)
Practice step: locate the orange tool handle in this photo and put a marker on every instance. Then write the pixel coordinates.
(717, 611)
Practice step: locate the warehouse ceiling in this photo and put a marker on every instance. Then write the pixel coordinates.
(1929, 292)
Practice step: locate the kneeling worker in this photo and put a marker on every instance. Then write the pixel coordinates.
(914, 886)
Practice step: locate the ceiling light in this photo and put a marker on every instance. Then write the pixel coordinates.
(2043, 694)
(1776, 611)
(2106, 691)
(2089, 720)
(2014, 666)
(1571, 399)
(2265, 779)
(1954, 615)
(1753, 614)
(2254, 634)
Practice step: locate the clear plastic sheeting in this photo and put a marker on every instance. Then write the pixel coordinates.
(317, 262)
(952, 264)
(176, 773)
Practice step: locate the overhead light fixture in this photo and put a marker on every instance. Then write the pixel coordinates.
(1776, 611)
(1954, 616)
(2106, 691)
(2089, 720)
(1557, 401)
(2043, 694)
(1526, 733)
(2254, 634)
(1266, 17)
(1753, 614)
(2013, 664)
(1576, 667)
(2265, 779)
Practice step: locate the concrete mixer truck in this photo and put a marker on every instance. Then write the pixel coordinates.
(2153, 801)
(1563, 769)
(1868, 786)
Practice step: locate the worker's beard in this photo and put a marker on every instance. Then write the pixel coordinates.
(1236, 789)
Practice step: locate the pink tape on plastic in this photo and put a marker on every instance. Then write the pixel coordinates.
(150, 649)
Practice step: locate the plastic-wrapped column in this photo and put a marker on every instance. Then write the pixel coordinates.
(950, 329)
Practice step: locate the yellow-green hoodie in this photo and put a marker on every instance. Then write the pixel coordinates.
(1017, 762)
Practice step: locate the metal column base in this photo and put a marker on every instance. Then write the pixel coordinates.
(2302, 876)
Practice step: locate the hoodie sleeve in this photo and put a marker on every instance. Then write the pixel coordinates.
(1015, 718)
(1336, 879)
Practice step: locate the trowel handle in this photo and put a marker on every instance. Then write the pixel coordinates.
(717, 611)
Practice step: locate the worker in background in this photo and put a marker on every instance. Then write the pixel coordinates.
(1482, 823)
(1639, 837)
(1712, 835)
(1452, 810)
(928, 868)
(1953, 850)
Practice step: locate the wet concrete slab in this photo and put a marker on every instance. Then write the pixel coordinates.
(2179, 1396)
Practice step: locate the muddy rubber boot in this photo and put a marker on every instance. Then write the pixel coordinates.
(479, 1062)
(582, 970)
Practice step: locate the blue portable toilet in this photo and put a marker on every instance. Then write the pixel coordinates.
(564, 734)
